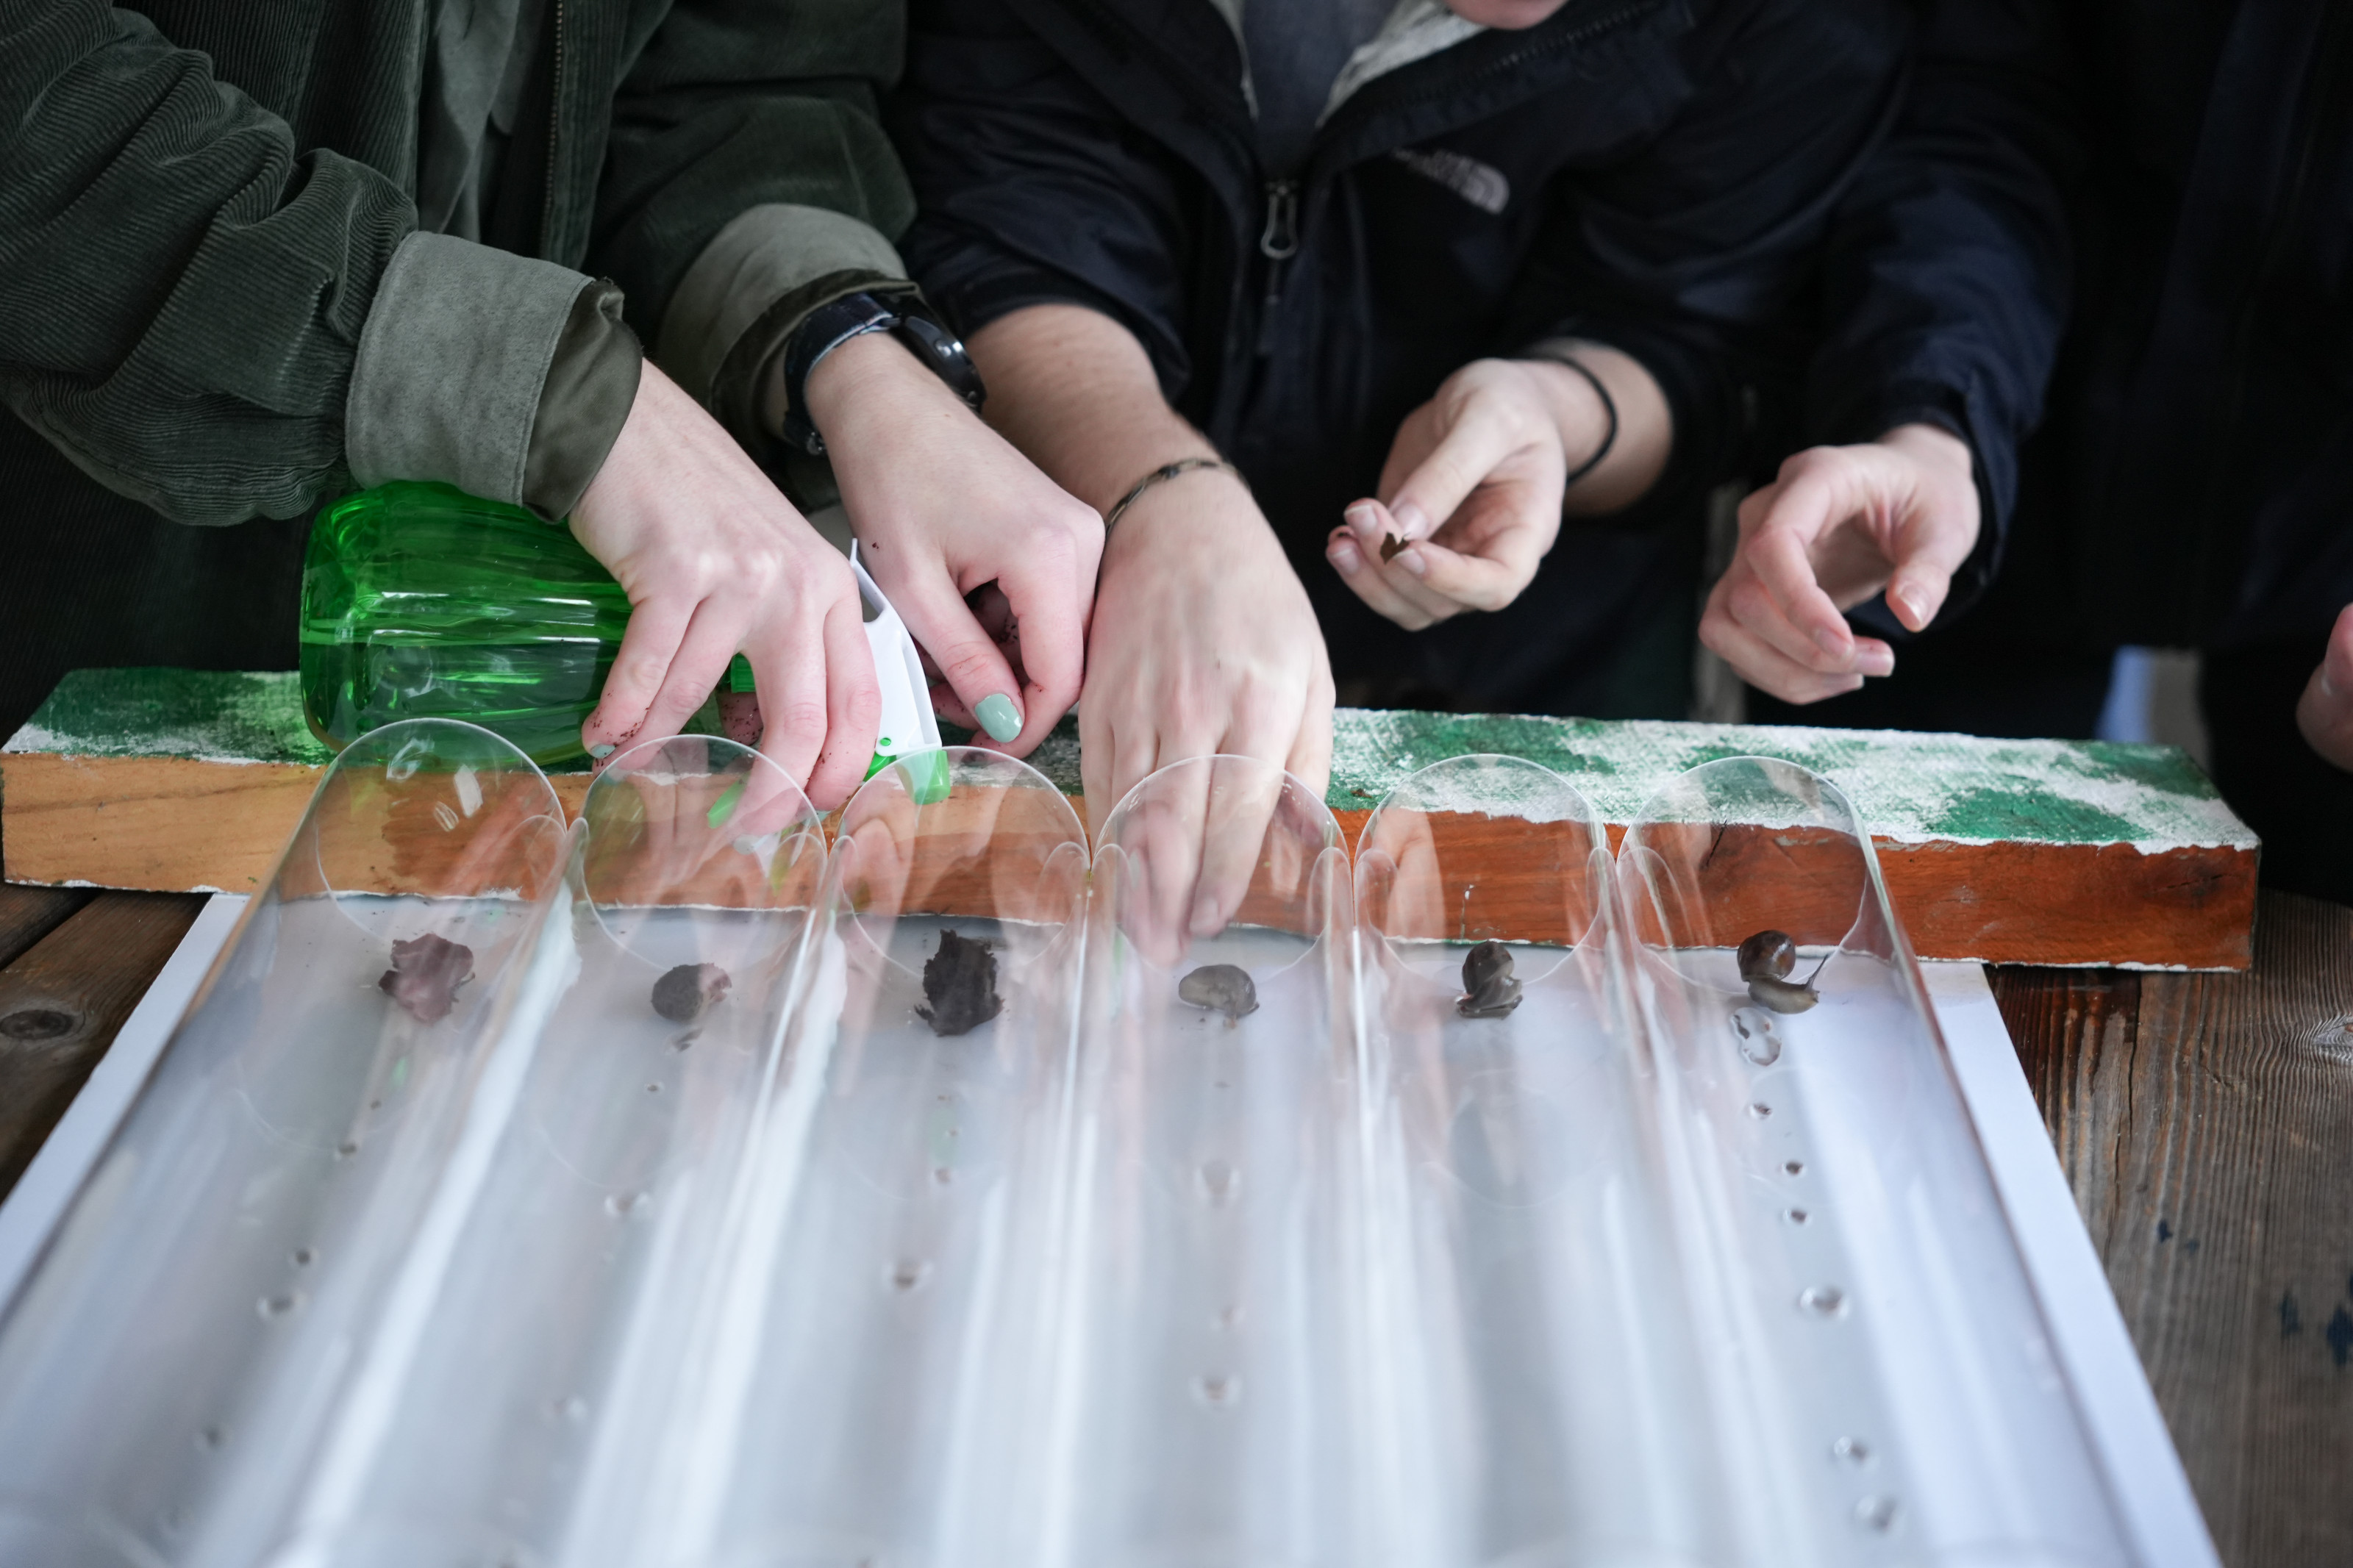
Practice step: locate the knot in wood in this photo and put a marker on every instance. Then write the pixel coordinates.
(38, 1024)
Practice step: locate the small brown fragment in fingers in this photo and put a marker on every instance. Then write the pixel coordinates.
(1391, 548)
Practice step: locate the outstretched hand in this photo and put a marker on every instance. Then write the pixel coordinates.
(1837, 526)
(2325, 713)
(716, 561)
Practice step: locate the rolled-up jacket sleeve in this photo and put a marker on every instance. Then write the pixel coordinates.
(506, 376)
(747, 182)
(181, 293)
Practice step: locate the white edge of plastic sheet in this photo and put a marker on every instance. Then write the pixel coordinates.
(49, 1184)
(2145, 1476)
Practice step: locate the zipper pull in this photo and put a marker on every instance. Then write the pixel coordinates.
(1279, 240)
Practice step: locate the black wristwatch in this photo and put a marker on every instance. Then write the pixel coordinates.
(830, 326)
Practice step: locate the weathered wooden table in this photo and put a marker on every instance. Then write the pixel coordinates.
(2205, 1122)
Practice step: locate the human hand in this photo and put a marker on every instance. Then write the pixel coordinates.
(715, 561)
(1204, 643)
(1838, 525)
(1471, 491)
(991, 563)
(2324, 712)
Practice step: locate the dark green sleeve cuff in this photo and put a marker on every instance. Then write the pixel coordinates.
(592, 382)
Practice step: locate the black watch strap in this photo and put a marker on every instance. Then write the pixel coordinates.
(834, 323)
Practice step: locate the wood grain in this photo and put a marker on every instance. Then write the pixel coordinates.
(2205, 1122)
(28, 914)
(63, 1000)
(176, 824)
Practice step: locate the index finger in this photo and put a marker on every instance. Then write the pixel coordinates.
(1776, 554)
(1463, 457)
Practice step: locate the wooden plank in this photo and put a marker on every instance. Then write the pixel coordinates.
(2206, 1125)
(2052, 852)
(28, 914)
(61, 1003)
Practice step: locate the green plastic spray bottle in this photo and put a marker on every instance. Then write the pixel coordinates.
(420, 601)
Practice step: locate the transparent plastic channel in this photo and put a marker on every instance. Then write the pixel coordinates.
(555, 1276)
(1541, 1375)
(1878, 1358)
(1209, 1407)
(866, 1391)
(172, 1368)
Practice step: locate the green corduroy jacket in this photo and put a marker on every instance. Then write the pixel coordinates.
(201, 203)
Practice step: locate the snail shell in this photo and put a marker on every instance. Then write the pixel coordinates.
(1769, 955)
(1781, 995)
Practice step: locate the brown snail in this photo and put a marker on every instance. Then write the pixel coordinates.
(1220, 988)
(1488, 989)
(1765, 960)
(959, 986)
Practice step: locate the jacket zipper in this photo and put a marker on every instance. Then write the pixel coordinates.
(1278, 242)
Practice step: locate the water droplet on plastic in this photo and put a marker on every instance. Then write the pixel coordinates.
(574, 1409)
(621, 1206)
(1876, 1514)
(1822, 1301)
(942, 1176)
(653, 1089)
(1758, 1111)
(278, 1306)
(211, 1438)
(1222, 1083)
(1752, 1031)
(1218, 1182)
(1853, 1450)
(1793, 1167)
(1228, 1318)
(1218, 1390)
(304, 1258)
(1796, 1216)
(909, 1274)
(347, 1149)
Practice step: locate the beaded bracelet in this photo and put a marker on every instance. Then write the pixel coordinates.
(1166, 471)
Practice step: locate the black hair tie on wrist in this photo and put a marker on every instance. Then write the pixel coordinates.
(1608, 407)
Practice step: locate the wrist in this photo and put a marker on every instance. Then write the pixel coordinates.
(1582, 419)
(1203, 508)
(868, 367)
(1933, 445)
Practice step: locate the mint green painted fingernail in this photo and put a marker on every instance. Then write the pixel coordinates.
(999, 716)
(602, 749)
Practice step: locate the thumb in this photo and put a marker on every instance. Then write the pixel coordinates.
(1925, 559)
(967, 659)
(1463, 457)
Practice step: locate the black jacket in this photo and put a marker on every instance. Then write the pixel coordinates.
(2203, 427)
(1653, 174)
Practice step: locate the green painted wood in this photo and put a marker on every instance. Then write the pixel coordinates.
(1908, 787)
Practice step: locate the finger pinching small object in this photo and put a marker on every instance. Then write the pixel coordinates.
(1488, 989)
(1220, 988)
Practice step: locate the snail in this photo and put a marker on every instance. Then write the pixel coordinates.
(959, 986)
(684, 994)
(425, 975)
(1488, 989)
(1220, 988)
(1765, 960)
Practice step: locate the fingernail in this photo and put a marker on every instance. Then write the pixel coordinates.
(999, 716)
(1362, 517)
(1412, 560)
(602, 749)
(1829, 639)
(1411, 520)
(1204, 916)
(1912, 604)
(1345, 558)
(1880, 663)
